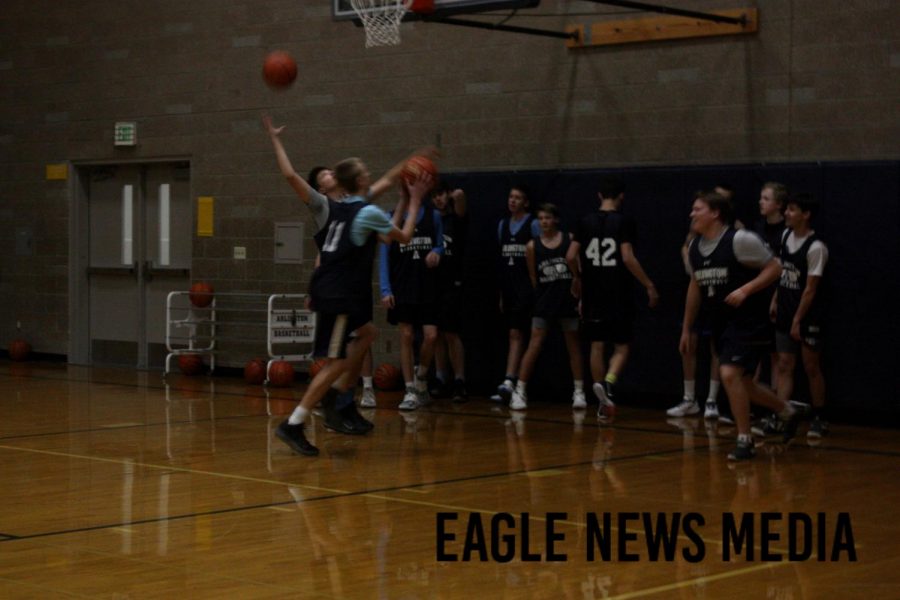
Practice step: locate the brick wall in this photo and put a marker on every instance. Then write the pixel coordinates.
(818, 82)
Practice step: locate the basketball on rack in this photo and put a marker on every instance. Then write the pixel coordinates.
(279, 70)
(281, 374)
(19, 350)
(255, 371)
(201, 294)
(416, 166)
(387, 377)
(317, 366)
(190, 364)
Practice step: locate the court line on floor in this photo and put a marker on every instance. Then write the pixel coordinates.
(698, 580)
(430, 410)
(380, 495)
(331, 494)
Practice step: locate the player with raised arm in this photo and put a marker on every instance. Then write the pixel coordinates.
(341, 287)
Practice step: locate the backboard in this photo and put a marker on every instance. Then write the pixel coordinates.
(342, 10)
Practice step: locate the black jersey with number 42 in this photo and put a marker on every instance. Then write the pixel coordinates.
(606, 283)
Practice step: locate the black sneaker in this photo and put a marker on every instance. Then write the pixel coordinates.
(439, 389)
(360, 423)
(743, 451)
(790, 425)
(768, 426)
(459, 391)
(817, 429)
(293, 436)
(335, 420)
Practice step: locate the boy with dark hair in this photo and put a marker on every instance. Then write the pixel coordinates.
(730, 268)
(453, 208)
(601, 258)
(408, 274)
(554, 304)
(516, 296)
(797, 307)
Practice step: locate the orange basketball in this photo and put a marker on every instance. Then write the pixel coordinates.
(201, 294)
(279, 70)
(190, 364)
(255, 371)
(417, 165)
(19, 350)
(281, 374)
(317, 366)
(387, 377)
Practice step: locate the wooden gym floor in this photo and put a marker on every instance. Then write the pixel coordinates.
(116, 486)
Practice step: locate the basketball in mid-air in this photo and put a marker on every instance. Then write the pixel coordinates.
(417, 165)
(279, 70)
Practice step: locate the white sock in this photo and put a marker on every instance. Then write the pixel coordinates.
(367, 383)
(746, 439)
(713, 391)
(688, 389)
(298, 416)
(579, 385)
(441, 376)
(520, 387)
(509, 383)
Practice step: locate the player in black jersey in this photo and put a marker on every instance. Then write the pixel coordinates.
(730, 268)
(700, 333)
(770, 227)
(797, 307)
(553, 304)
(341, 287)
(603, 264)
(409, 292)
(516, 294)
(453, 208)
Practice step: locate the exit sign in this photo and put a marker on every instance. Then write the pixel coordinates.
(125, 134)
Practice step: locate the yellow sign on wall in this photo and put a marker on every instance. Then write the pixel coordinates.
(57, 172)
(204, 216)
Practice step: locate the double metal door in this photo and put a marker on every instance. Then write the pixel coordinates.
(140, 221)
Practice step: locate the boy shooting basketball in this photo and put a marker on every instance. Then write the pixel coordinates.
(341, 287)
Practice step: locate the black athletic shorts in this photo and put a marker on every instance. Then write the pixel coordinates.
(742, 349)
(415, 314)
(333, 332)
(608, 330)
(450, 306)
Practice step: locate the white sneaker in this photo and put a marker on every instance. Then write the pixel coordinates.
(519, 401)
(711, 411)
(368, 398)
(687, 407)
(578, 400)
(410, 400)
(607, 408)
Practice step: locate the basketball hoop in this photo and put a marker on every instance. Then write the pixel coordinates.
(381, 20)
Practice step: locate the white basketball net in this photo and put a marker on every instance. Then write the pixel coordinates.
(381, 20)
